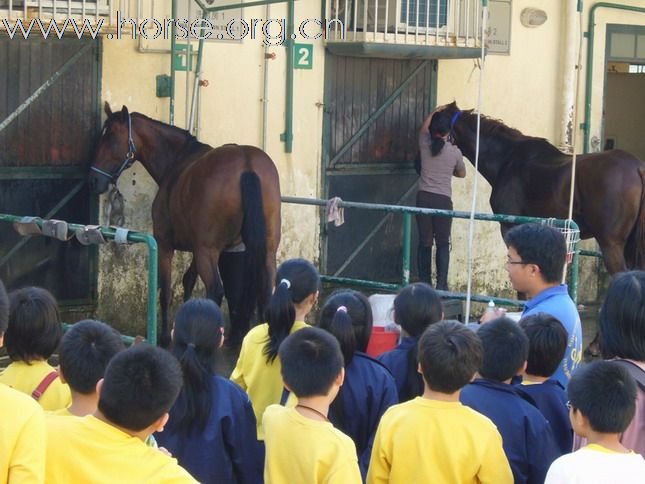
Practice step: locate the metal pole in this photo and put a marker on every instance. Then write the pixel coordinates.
(173, 43)
(407, 240)
(137, 237)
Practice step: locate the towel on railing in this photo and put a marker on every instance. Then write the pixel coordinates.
(335, 212)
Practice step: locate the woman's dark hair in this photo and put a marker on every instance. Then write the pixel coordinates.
(195, 343)
(347, 315)
(295, 280)
(622, 318)
(439, 127)
(416, 307)
(35, 329)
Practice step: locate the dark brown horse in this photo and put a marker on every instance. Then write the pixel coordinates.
(209, 201)
(529, 176)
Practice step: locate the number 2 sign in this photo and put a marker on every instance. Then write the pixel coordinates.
(303, 56)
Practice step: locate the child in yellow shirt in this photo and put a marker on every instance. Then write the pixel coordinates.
(22, 426)
(32, 337)
(85, 351)
(139, 388)
(434, 438)
(301, 444)
(258, 367)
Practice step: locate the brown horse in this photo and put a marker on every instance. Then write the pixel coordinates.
(209, 201)
(531, 177)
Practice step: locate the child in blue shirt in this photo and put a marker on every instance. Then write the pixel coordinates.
(527, 437)
(416, 307)
(547, 344)
(211, 430)
(369, 389)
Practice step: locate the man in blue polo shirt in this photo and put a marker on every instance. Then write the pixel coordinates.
(535, 263)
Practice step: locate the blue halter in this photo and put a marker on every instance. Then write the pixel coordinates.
(454, 119)
(129, 157)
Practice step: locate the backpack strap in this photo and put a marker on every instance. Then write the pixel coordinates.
(44, 385)
(635, 371)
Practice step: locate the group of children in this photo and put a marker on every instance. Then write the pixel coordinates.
(307, 404)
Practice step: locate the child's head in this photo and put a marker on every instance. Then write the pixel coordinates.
(85, 351)
(139, 387)
(197, 337)
(4, 311)
(34, 329)
(296, 285)
(312, 363)
(416, 307)
(449, 356)
(347, 315)
(506, 349)
(547, 343)
(622, 317)
(602, 395)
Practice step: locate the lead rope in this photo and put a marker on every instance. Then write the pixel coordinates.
(471, 228)
(570, 236)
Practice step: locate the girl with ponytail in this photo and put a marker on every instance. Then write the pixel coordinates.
(211, 429)
(258, 367)
(369, 388)
(416, 307)
(440, 160)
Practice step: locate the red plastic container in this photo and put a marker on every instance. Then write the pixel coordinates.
(381, 341)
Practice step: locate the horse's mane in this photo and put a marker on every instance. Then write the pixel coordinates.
(166, 126)
(494, 128)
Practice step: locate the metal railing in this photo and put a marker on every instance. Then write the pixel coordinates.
(109, 233)
(446, 23)
(408, 212)
(103, 11)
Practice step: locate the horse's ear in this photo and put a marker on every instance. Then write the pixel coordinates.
(453, 105)
(124, 113)
(107, 109)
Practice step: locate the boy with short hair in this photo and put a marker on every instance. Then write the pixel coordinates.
(22, 426)
(84, 353)
(301, 444)
(547, 344)
(434, 438)
(138, 390)
(602, 399)
(527, 436)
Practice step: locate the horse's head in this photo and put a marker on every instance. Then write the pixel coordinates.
(116, 150)
(460, 130)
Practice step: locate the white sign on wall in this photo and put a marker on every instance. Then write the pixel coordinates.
(498, 37)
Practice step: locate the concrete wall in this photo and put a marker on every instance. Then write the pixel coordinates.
(522, 89)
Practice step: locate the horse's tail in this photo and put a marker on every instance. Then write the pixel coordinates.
(254, 236)
(636, 241)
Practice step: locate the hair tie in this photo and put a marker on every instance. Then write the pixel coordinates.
(342, 309)
(286, 282)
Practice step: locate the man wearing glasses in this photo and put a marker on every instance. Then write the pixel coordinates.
(535, 263)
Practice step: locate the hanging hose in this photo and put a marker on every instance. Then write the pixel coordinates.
(471, 227)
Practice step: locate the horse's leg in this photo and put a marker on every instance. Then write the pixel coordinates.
(189, 280)
(613, 255)
(231, 268)
(206, 265)
(165, 296)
